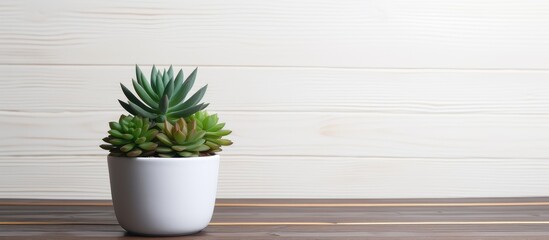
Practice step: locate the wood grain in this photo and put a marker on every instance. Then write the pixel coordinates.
(95, 88)
(283, 177)
(330, 135)
(388, 34)
(412, 222)
(326, 99)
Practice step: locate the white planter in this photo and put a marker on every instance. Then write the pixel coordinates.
(163, 196)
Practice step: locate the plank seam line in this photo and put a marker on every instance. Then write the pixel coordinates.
(381, 223)
(380, 204)
(274, 112)
(386, 158)
(487, 204)
(310, 223)
(283, 66)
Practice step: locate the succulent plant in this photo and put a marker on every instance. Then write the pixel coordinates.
(214, 130)
(181, 139)
(164, 96)
(165, 122)
(131, 136)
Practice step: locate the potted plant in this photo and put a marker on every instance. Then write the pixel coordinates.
(163, 165)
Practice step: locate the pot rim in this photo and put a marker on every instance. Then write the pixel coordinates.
(161, 159)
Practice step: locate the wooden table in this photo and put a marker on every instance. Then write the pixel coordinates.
(440, 219)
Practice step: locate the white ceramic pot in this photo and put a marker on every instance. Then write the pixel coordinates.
(163, 196)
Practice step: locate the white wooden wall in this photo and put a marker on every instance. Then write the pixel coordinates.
(327, 99)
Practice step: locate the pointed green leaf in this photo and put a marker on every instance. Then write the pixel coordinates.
(212, 145)
(115, 126)
(168, 91)
(122, 118)
(154, 73)
(127, 108)
(134, 99)
(128, 147)
(219, 133)
(179, 137)
(150, 134)
(217, 127)
(143, 95)
(189, 111)
(115, 133)
(178, 79)
(118, 141)
(164, 139)
(198, 122)
(192, 101)
(127, 136)
(106, 146)
(159, 84)
(137, 132)
(146, 124)
(178, 148)
(194, 145)
(182, 90)
(203, 148)
(142, 112)
(140, 140)
(222, 142)
(164, 150)
(146, 85)
(211, 138)
(189, 82)
(209, 122)
(138, 121)
(138, 72)
(134, 153)
(165, 78)
(170, 72)
(196, 135)
(148, 146)
(163, 108)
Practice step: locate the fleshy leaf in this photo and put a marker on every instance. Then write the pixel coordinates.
(144, 95)
(189, 111)
(194, 99)
(148, 146)
(134, 153)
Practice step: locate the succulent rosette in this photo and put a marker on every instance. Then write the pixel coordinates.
(182, 139)
(214, 130)
(164, 96)
(131, 136)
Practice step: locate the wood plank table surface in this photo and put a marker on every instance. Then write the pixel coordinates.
(387, 219)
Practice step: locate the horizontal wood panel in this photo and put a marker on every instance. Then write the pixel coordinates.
(390, 232)
(318, 93)
(350, 33)
(388, 223)
(306, 202)
(257, 213)
(86, 88)
(304, 134)
(82, 177)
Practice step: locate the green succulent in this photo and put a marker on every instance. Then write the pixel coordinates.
(182, 139)
(164, 96)
(214, 130)
(131, 136)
